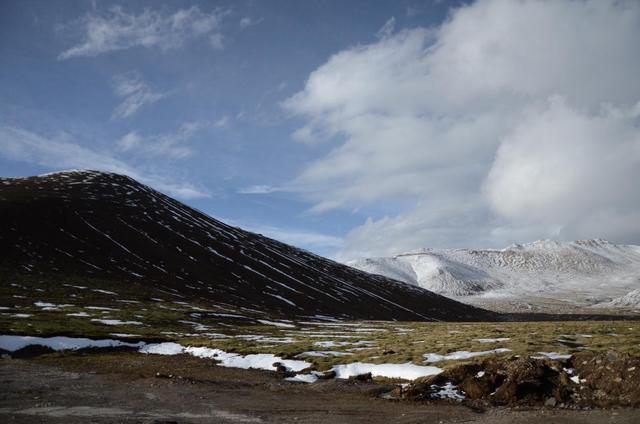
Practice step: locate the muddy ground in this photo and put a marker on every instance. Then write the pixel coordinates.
(124, 387)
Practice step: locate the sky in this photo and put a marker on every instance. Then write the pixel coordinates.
(348, 128)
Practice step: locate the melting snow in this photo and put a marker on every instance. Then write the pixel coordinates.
(124, 335)
(78, 314)
(496, 340)
(105, 292)
(264, 361)
(324, 353)
(552, 355)
(407, 371)
(331, 343)
(50, 306)
(276, 324)
(116, 322)
(13, 343)
(303, 378)
(167, 348)
(448, 391)
(462, 354)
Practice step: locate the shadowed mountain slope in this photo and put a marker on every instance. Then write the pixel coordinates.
(88, 224)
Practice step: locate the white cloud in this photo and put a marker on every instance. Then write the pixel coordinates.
(167, 145)
(574, 170)
(119, 30)
(60, 153)
(135, 93)
(512, 120)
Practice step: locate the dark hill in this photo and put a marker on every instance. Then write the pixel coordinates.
(108, 226)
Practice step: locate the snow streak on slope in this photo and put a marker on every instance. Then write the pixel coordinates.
(587, 271)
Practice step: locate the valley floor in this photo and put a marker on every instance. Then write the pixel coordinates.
(126, 387)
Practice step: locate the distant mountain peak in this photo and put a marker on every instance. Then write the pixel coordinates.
(583, 272)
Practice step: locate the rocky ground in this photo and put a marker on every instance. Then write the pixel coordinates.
(131, 388)
(583, 380)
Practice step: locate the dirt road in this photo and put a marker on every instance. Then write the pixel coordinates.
(131, 388)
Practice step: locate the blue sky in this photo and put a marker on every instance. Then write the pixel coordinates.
(349, 128)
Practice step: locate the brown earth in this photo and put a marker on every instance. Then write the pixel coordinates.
(584, 380)
(125, 387)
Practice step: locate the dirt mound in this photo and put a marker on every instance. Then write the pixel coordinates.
(586, 379)
(608, 379)
(30, 351)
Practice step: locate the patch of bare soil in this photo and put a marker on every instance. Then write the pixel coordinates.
(131, 388)
(584, 380)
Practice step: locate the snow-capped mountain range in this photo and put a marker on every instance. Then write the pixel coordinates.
(580, 273)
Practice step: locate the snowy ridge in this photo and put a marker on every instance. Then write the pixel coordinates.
(588, 271)
(630, 300)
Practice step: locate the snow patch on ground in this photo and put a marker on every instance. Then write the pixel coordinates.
(276, 323)
(263, 361)
(78, 314)
(448, 391)
(551, 355)
(303, 378)
(116, 322)
(167, 348)
(496, 340)
(13, 343)
(331, 343)
(407, 371)
(324, 353)
(462, 354)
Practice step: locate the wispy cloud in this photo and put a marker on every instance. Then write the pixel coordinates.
(222, 122)
(119, 30)
(388, 28)
(59, 154)
(259, 189)
(135, 94)
(168, 145)
(247, 21)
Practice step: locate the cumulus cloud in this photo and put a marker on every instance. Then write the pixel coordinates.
(135, 94)
(512, 120)
(119, 30)
(60, 153)
(167, 145)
